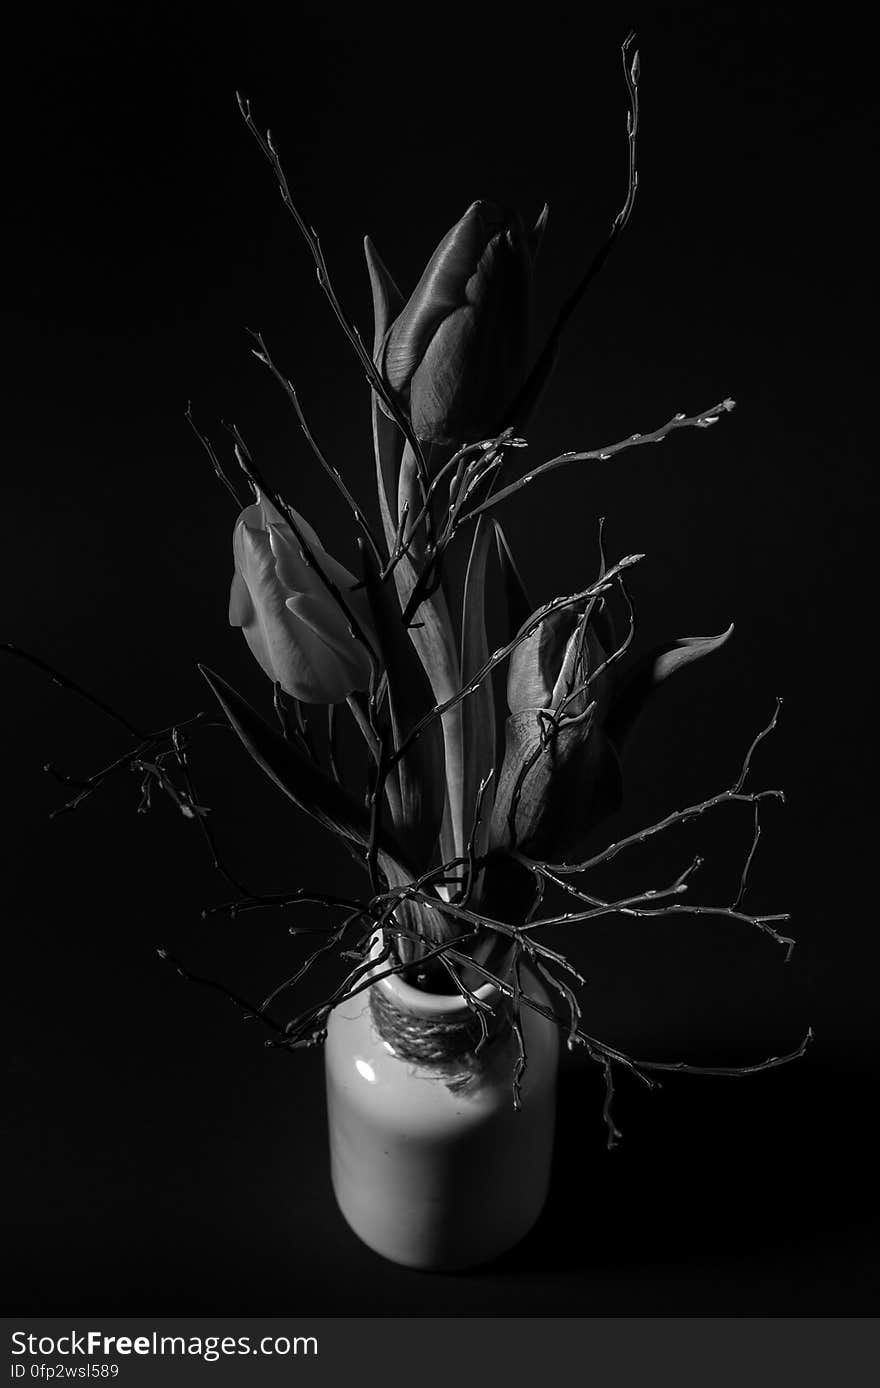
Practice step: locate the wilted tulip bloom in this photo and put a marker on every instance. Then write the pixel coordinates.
(557, 780)
(458, 352)
(561, 773)
(554, 662)
(293, 625)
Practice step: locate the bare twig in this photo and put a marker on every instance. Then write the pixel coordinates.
(73, 688)
(743, 881)
(310, 236)
(215, 461)
(247, 1008)
(543, 366)
(262, 355)
(703, 420)
(501, 655)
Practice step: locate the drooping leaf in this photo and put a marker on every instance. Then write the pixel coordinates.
(646, 677)
(302, 781)
(420, 772)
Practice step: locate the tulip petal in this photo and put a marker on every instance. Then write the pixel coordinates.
(549, 801)
(439, 292)
(686, 650)
(253, 516)
(288, 648)
(266, 632)
(648, 674)
(327, 635)
(262, 513)
(387, 298)
(457, 352)
(254, 559)
(294, 570)
(534, 664)
(474, 364)
(574, 672)
(241, 609)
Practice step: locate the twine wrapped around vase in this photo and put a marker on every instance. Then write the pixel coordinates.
(457, 1044)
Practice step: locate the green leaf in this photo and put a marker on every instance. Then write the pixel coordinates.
(302, 781)
(648, 674)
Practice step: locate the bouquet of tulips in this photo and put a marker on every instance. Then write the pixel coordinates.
(490, 766)
(451, 824)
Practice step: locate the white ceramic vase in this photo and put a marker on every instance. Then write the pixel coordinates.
(432, 1166)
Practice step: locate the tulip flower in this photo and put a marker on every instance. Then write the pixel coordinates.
(543, 668)
(457, 353)
(560, 773)
(294, 626)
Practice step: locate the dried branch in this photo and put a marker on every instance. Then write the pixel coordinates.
(472, 866)
(72, 687)
(247, 1008)
(303, 896)
(543, 366)
(703, 420)
(743, 881)
(215, 461)
(771, 1063)
(333, 941)
(521, 1062)
(761, 923)
(456, 465)
(262, 355)
(310, 236)
(501, 655)
(732, 796)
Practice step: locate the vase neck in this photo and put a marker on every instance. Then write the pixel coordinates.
(435, 1038)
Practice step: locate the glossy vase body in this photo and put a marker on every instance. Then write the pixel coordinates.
(432, 1166)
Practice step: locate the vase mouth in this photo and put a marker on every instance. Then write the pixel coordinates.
(424, 1004)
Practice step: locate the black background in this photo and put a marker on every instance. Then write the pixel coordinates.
(160, 1158)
